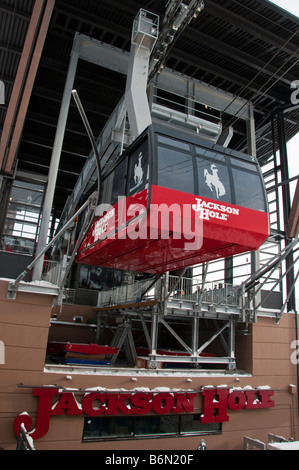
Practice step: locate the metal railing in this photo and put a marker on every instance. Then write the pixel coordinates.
(125, 294)
(254, 444)
(191, 289)
(274, 438)
(51, 272)
(185, 289)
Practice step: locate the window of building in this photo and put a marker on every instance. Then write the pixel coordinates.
(22, 217)
(134, 427)
(98, 278)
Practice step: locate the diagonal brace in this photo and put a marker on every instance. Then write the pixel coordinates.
(213, 337)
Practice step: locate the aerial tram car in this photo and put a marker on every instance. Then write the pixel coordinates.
(173, 200)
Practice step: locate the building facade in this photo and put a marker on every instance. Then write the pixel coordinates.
(68, 407)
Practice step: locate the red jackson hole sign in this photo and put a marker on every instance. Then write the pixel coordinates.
(215, 404)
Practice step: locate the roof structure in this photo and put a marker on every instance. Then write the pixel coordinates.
(249, 48)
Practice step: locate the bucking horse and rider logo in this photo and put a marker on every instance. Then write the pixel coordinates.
(213, 181)
(138, 171)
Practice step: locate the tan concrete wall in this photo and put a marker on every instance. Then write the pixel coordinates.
(24, 326)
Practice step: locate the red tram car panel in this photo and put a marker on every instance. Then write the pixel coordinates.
(162, 237)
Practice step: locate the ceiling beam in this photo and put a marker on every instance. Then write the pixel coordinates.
(250, 26)
(237, 54)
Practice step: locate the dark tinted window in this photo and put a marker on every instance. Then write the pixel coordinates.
(243, 164)
(149, 426)
(119, 182)
(175, 170)
(106, 189)
(115, 427)
(191, 424)
(157, 425)
(248, 190)
(211, 154)
(177, 144)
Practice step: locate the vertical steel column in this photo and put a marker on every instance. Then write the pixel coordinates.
(250, 124)
(54, 164)
(286, 199)
(276, 170)
(154, 331)
(251, 138)
(5, 190)
(231, 343)
(229, 270)
(194, 344)
(284, 168)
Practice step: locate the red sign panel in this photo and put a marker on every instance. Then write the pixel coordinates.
(216, 403)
